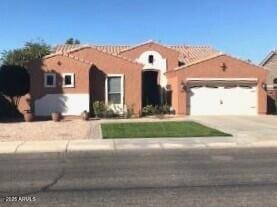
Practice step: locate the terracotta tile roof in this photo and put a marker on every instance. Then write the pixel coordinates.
(100, 50)
(188, 54)
(113, 49)
(215, 56)
(200, 60)
(69, 56)
(145, 43)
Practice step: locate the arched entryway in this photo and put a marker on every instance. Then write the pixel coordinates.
(150, 88)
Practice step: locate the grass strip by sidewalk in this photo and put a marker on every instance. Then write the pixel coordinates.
(158, 129)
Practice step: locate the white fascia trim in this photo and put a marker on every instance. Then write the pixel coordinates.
(45, 80)
(223, 79)
(272, 86)
(72, 85)
(122, 87)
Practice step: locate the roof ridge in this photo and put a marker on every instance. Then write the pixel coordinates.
(69, 56)
(103, 51)
(147, 42)
(217, 55)
(138, 45)
(113, 45)
(245, 61)
(193, 46)
(200, 60)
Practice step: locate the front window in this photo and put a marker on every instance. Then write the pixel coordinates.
(49, 80)
(114, 89)
(151, 59)
(68, 80)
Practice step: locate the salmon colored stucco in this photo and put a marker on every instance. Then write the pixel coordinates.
(212, 68)
(92, 65)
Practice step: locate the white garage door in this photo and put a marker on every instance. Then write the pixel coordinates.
(223, 101)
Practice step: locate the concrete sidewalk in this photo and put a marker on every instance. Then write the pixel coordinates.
(69, 146)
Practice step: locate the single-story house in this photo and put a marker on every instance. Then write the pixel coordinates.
(194, 80)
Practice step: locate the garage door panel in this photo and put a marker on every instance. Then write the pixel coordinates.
(202, 103)
(223, 101)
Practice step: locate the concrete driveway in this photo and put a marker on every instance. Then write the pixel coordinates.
(258, 128)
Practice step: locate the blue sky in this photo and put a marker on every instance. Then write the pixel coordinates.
(243, 28)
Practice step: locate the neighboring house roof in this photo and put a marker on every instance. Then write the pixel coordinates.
(188, 54)
(268, 57)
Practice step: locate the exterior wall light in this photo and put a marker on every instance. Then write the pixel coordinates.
(168, 87)
(264, 86)
(223, 66)
(183, 86)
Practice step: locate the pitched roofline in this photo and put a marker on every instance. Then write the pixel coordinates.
(267, 58)
(190, 46)
(200, 61)
(249, 63)
(104, 52)
(69, 56)
(215, 56)
(145, 43)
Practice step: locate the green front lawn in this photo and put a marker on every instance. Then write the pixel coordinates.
(158, 129)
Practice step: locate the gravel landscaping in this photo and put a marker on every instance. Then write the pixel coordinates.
(45, 130)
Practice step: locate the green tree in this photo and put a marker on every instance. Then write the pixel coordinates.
(14, 82)
(72, 41)
(30, 51)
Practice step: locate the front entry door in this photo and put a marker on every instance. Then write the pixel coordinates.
(150, 88)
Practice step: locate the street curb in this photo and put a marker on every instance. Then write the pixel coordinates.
(73, 146)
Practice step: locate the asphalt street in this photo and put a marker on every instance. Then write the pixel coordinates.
(208, 178)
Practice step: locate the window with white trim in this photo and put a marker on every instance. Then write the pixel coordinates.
(114, 89)
(68, 80)
(49, 80)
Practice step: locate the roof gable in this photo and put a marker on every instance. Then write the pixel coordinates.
(216, 56)
(101, 51)
(268, 57)
(150, 42)
(68, 56)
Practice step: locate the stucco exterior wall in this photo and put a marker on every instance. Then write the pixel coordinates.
(167, 53)
(105, 64)
(43, 97)
(212, 69)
